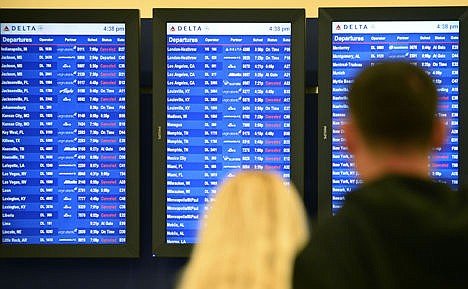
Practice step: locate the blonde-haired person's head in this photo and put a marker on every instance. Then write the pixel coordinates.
(250, 237)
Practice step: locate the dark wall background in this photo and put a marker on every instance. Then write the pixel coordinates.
(147, 272)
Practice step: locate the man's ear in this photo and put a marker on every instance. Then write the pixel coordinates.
(349, 132)
(438, 133)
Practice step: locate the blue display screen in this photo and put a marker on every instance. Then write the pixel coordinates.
(432, 45)
(63, 133)
(228, 109)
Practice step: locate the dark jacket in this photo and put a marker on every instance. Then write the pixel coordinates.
(396, 232)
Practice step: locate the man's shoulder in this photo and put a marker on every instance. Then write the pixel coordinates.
(381, 224)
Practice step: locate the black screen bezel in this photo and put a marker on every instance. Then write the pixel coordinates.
(329, 15)
(160, 18)
(131, 18)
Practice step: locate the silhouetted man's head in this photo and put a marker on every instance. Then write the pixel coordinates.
(394, 103)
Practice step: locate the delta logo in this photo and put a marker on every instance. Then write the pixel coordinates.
(353, 26)
(15, 28)
(186, 28)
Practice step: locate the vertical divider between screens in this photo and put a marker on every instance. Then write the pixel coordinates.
(298, 102)
(159, 132)
(324, 117)
(463, 101)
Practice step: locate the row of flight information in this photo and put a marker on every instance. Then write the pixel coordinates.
(432, 45)
(228, 108)
(63, 133)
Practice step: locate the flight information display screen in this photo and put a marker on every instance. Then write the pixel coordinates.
(63, 102)
(228, 109)
(432, 45)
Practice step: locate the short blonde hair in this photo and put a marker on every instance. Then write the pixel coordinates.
(250, 237)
